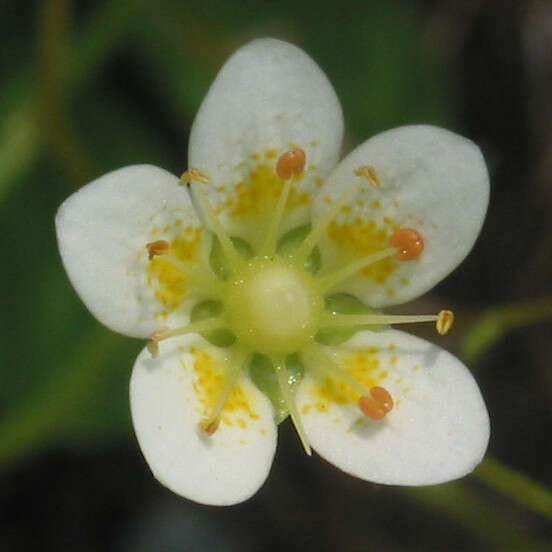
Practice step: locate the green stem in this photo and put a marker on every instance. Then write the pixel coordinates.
(459, 501)
(494, 323)
(516, 486)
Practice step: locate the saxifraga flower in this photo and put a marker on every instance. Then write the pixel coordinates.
(257, 279)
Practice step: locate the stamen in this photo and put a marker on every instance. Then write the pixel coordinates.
(195, 327)
(330, 280)
(159, 247)
(212, 220)
(289, 165)
(210, 423)
(445, 319)
(209, 426)
(153, 348)
(409, 242)
(194, 174)
(383, 397)
(336, 320)
(282, 373)
(316, 233)
(371, 408)
(367, 171)
(378, 405)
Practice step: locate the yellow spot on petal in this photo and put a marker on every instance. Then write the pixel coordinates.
(210, 372)
(170, 282)
(360, 238)
(362, 366)
(321, 406)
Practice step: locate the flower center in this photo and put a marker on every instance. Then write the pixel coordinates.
(271, 303)
(273, 306)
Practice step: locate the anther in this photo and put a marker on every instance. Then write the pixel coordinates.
(152, 346)
(382, 397)
(409, 242)
(194, 174)
(159, 247)
(367, 171)
(378, 405)
(209, 425)
(291, 163)
(445, 319)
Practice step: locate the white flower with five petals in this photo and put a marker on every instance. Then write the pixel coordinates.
(256, 279)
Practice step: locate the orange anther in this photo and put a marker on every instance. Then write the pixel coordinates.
(209, 425)
(409, 242)
(291, 164)
(445, 319)
(371, 408)
(159, 247)
(378, 405)
(382, 397)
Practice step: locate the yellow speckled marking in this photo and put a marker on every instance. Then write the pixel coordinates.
(363, 366)
(170, 282)
(365, 237)
(258, 193)
(238, 408)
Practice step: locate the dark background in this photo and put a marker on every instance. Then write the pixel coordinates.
(91, 86)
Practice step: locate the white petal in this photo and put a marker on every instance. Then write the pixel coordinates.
(103, 229)
(269, 96)
(432, 180)
(437, 431)
(168, 401)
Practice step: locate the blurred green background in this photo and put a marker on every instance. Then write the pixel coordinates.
(88, 87)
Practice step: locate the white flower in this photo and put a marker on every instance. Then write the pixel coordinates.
(277, 289)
